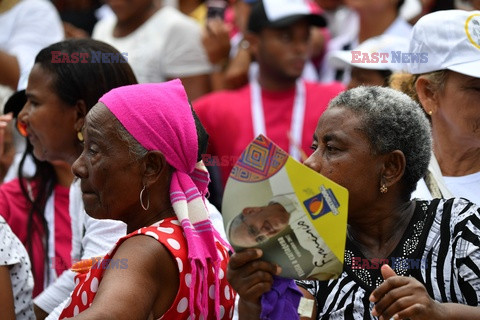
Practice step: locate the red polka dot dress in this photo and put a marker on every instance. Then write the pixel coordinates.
(170, 234)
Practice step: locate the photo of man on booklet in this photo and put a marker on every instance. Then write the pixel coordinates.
(255, 225)
(296, 216)
(281, 226)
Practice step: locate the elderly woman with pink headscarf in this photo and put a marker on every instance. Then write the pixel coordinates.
(140, 165)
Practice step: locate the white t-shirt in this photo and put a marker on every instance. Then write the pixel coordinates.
(466, 186)
(166, 46)
(14, 254)
(27, 28)
(90, 238)
(421, 192)
(336, 22)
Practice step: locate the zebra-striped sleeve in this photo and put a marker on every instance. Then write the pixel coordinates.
(449, 268)
(453, 250)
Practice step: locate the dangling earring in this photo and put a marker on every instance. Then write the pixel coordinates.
(141, 200)
(383, 189)
(80, 136)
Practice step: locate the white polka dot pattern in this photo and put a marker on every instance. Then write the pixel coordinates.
(182, 305)
(227, 292)
(188, 279)
(173, 243)
(211, 292)
(166, 230)
(76, 310)
(170, 234)
(84, 298)
(222, 311)
(152, 234)
(94, 284)
(180, 264)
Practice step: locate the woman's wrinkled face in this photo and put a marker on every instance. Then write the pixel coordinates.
(458, 110)
(342, 153)
(49, 121)
(110, 178)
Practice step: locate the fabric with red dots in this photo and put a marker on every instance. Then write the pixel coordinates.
(170, 234)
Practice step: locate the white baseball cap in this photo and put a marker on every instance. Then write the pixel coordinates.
(380, 44)
(451, 40)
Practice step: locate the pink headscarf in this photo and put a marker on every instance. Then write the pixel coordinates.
(159, 117)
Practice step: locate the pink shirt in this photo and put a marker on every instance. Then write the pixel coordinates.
(227, 117)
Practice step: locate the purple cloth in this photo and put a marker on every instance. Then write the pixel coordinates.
(282, 301)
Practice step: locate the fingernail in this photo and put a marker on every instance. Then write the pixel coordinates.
(372, 298)
(279, 269)
(374, 312)
(258, 252)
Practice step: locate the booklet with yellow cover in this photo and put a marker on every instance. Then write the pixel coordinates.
(295, 215)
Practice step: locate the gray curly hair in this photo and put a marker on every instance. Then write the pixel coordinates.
(392, 121)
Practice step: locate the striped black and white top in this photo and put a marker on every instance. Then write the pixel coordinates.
(440, 248)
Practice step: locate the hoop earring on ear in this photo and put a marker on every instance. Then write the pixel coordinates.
(80, 136)
(141, 200)
(383, 189)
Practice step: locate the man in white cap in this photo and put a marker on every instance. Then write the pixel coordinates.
(373, 61)
(373, 18)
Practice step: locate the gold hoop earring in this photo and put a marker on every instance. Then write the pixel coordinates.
(80, 136)
(383, 189)
(141, 200)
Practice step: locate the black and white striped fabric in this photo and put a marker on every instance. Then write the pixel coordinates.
(440, 248)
